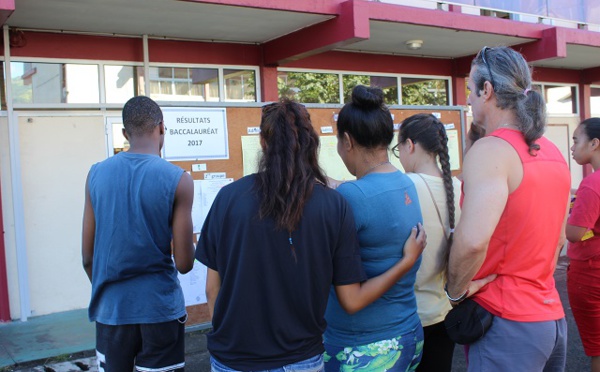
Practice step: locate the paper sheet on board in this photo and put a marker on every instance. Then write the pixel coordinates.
(453, 149)
(251, 152)
(331, 162)
(205, 192)
(193, 285)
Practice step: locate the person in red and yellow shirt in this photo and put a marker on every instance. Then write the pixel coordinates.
(583, 233)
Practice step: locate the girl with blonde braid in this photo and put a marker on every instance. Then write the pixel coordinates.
(422, 142)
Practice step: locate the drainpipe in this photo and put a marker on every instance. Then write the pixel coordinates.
(4, 304)
(146, 66)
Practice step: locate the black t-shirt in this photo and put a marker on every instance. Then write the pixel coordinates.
(270, 308)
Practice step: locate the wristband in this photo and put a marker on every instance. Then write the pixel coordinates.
(457, 299)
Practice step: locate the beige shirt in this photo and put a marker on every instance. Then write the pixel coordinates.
(432, 303)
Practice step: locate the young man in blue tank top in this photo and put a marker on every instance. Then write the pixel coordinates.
(135, 204)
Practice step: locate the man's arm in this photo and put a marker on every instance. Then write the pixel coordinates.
(88, 233)
(486, 186)
(355, 297)
(575, 233)
(183, 238)
(584, 213)
(213, 285)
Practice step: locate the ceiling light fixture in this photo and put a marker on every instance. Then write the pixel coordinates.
(414, 44)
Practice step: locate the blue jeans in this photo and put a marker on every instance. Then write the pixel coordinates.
(314, 364)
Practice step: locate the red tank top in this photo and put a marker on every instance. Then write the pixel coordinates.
(522, 248)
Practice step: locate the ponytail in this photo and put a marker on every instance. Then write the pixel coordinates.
(444, 156)
(531, 112)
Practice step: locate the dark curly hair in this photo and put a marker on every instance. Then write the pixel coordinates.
(289, 165)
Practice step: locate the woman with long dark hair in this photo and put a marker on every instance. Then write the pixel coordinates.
(274, 242)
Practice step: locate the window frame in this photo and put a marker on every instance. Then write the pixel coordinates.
(139, 64)
(101, 101)
(398, 77)
(544, 84)
(220, 69)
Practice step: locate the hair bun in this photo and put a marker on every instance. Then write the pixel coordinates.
(366, 97)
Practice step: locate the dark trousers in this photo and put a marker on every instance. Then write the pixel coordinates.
(148, 347)
(437, 351)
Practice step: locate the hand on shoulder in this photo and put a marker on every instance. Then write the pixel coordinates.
(333, 183)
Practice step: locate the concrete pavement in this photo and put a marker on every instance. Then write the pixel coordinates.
(197, 357)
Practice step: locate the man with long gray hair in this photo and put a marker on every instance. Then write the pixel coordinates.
(516, 192)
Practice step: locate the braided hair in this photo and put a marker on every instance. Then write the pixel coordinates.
(289, 165)
(430, 133)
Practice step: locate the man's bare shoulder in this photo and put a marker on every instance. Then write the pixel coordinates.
(492, 158)
(490, 149)
(491, 142)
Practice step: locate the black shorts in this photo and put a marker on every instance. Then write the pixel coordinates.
(148, 347)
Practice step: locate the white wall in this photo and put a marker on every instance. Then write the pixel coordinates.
(56, 153)
(554, 127)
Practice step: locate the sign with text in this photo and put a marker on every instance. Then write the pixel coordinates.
(195, 133)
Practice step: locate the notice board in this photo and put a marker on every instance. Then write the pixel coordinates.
(242, 122)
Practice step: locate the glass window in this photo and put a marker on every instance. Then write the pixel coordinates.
(184, 84)
(120, 143)
(239, 85)
(180, 73)
(350, 81)
(34, 82)
(121, 82)
(3, 87)
(389, 85)
(424, 91)
(595, 101)
(574, 10)
(560, 99)
(309, 87)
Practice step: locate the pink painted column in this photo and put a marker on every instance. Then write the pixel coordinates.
(585, 111)
(268, 84)
(4, 304)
